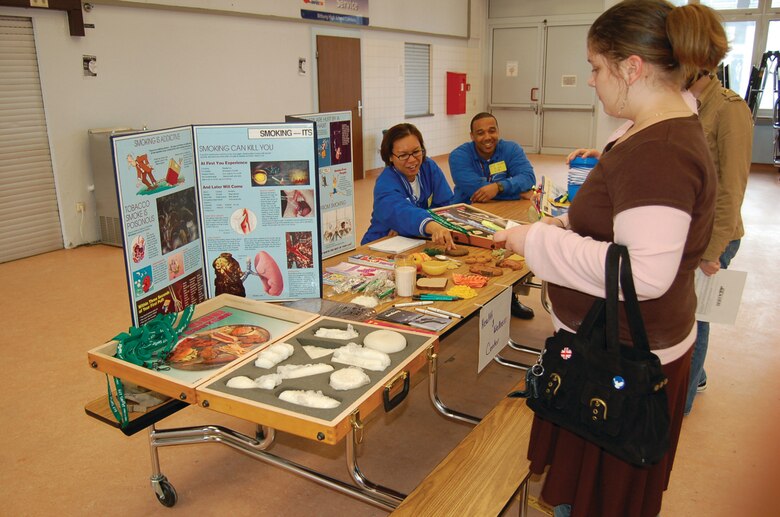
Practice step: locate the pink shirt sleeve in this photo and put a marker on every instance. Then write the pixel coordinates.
(655, 237)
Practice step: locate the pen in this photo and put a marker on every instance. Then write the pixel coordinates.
(413, 304)
(430, 313)
(436, 297)
(445, 313)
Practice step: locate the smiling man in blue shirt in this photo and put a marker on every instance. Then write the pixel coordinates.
(488, 167)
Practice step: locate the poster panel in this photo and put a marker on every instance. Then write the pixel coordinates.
(157, 189)
(336, 185)
(259, 198)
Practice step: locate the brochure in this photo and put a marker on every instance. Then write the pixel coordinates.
(371, 260)
(347, 268)
(413, 319)
(719, 296)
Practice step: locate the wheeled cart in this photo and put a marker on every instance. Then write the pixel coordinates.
(208, 388)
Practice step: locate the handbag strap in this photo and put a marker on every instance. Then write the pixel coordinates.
(618, 264)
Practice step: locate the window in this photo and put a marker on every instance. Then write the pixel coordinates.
(417, 79)
(753, 27)
(741, 35)
(772, 44)
(730, 4)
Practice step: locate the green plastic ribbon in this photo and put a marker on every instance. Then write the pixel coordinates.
(148, 346)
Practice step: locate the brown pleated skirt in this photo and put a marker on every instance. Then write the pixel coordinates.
(597, 483)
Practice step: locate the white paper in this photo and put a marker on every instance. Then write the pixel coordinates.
(493, 327)
(719, 295)
(397, 244)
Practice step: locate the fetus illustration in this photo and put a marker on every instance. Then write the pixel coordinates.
(143, 169)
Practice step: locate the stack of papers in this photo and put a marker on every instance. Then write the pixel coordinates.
(397, 244)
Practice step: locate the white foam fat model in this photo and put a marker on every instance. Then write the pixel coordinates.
(241, 383)
(268, 382)
(349, 333)
(387, 341)
(274, 355)
(348, 379)
(309, 398)
(296, 371)
(355, 355)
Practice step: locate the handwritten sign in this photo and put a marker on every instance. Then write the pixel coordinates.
(493, 327)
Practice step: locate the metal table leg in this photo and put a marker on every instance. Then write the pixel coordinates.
(514, 345)
(524, 497)
(433, 392)
(388, 495)
(251, 447)
(511, 364)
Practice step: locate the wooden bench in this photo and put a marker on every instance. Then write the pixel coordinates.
(484, 472)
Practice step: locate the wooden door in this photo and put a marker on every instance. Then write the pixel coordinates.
(339, 86)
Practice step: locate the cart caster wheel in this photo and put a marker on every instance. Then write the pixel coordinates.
(167, 495)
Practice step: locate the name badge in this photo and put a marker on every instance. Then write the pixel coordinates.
(497, 167)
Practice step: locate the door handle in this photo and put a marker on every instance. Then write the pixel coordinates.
(360, 108)
(534, 91)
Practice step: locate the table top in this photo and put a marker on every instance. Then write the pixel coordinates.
(516, 210)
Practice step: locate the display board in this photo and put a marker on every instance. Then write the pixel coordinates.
(207, 210)
(258, 189)
(159, 213)
(336, 185)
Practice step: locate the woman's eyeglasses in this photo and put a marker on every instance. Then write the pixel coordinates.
(404, 157)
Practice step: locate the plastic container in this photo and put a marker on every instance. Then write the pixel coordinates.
(579, 168)
(573, 191)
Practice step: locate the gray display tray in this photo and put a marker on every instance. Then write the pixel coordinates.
(329, 425)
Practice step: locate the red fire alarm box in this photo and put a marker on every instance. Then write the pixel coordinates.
(456, 93)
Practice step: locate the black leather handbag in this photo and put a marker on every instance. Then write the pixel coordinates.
(607, 393)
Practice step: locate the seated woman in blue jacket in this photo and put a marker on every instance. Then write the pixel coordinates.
(410, 185)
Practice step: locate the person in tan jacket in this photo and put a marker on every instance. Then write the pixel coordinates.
(728, 128)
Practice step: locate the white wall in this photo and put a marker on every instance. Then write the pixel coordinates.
(383, 89)
(162, 68)
(442, 17)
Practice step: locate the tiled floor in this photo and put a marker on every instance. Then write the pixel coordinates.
(58, 461)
